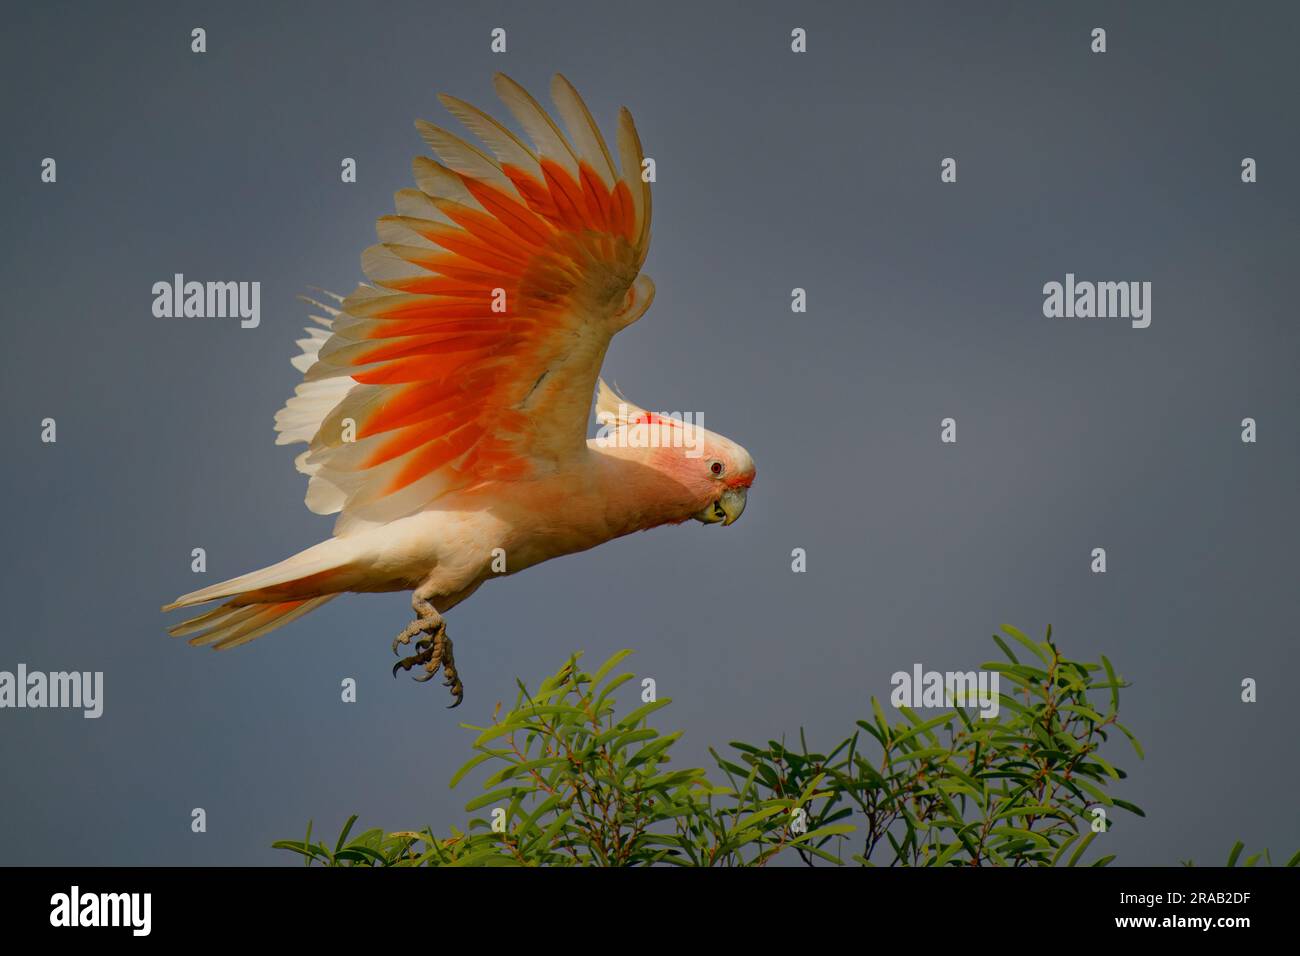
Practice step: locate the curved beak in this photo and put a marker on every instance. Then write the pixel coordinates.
(726, 509)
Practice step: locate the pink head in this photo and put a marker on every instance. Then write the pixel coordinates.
(685, 470)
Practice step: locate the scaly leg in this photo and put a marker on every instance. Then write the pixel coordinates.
(433, 650)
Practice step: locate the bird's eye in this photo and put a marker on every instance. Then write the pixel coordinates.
(716, 468)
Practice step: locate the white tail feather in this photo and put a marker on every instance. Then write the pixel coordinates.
(232, 625)
(331, 555)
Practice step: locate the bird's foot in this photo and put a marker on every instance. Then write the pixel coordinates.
(432, 651)
(422, 625)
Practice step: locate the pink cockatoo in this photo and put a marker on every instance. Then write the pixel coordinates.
(445, 405)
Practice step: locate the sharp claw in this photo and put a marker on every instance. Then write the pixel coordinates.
(433, 651)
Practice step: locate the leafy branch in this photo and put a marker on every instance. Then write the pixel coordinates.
(570, 783)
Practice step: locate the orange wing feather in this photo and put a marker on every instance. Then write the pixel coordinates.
(476, 351)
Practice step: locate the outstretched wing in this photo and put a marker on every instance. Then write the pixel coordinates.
(495, 290)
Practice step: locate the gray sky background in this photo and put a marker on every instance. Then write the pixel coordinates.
(775, 171)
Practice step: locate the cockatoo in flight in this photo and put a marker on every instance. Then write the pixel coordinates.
(445, 405)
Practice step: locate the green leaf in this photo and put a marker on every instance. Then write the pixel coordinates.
(1023, 834)
(837, 829)
(1083, 712)
(1038, 810)
(953, 849)
(920, 727)
(1097, 792)
(505, 793)
(347, 828)
(652, 750)
(517, 769)
(362, 854)
(509, 726)
(760, 816)
(470, 764)
(1083, 845)
(642, 712)
(622, 738)
(880, 716)
(1006, 650)
(612, 686)
(1114, 686)
(306, 843)
(1028, 644)
(1060, 850)
(1130, 807)
(1137, 747)
(609, 665)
